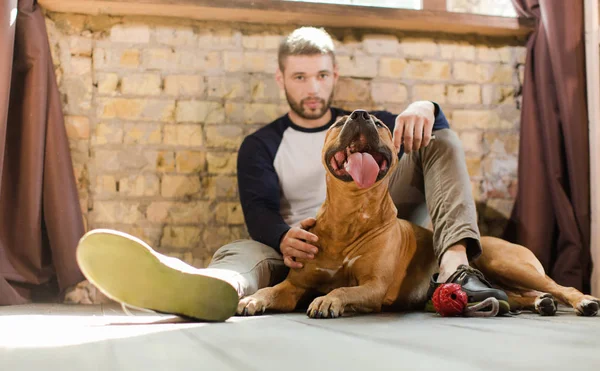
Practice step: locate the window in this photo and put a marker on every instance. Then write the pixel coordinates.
(501, 8)
(399, 4)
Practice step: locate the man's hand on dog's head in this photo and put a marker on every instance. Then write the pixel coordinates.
(414, 126)
(293, 244)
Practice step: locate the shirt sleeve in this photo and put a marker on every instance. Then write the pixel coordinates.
(389, 119)
(259, 190)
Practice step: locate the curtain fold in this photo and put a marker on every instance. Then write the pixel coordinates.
(40, 216)
(551, 215)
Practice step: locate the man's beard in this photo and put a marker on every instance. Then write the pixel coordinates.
(309, 115)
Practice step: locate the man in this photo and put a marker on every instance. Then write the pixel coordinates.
(282, 180)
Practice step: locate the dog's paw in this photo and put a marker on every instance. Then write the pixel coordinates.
(545, 305)
(251, 306)
(588, 306)
(325, 307)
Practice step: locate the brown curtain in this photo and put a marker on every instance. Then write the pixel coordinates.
(40, 218)
(552, 210)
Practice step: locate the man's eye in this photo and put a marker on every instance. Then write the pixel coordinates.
(300, 78)
(324, 75)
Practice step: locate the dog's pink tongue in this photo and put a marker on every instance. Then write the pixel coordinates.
(363, 168)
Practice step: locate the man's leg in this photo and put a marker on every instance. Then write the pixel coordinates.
(248, 266)
(434, 182)
(130, 272)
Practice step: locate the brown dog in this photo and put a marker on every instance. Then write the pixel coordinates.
(370, 261)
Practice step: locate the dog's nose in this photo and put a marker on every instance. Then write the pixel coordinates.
(359, 113)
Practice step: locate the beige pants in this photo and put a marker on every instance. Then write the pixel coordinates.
(437, 173)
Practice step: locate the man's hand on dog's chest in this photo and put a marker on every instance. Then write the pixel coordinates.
(294, 244)
(414, 126)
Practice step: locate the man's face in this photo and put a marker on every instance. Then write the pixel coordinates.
(308, 82)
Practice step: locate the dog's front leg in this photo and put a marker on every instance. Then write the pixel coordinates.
(282, 298)
(365, 298)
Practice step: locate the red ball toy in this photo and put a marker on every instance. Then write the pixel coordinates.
(449, 300)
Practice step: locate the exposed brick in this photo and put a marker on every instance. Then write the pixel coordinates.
(222, 186)
(139, 185)
(78, 127)
(428, 70)
(473, 166)
(380, 44)
(141, 84)
(472, 142)
(136, 109)
(221, 163)
(457, 51)
(464, 94)
(419, 48)
(184, 85)
(435, 92)
(219, 39)
(472, 119)
(108, 133)
(128, 159)
(79, 45)
(252, 113)
(472, 72)
(261, 41)
(181, 237)
(180, 186)
(353, 90)
(227, 87)
(183, 135)
(165, 161)
(115, 58)
(142, 134)
(224, 136)
(260, 89)
(199, 111)
(503, 74)
(388, 92)
(190, 161)
(138, 34)
(229, 213)
(192, 212)
(175, 36)
(107, 83)
(493, 94)
(502, 142)
(357, 65)
(500, 166)
(117, 212)
(494, 54)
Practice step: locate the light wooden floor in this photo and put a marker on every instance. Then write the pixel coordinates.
(61, 337)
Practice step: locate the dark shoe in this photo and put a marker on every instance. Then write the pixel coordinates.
(130, 272)
(473, 284)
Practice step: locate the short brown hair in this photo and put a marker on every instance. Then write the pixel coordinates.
(306, 41)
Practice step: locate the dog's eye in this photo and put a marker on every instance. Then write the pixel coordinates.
(378, 123)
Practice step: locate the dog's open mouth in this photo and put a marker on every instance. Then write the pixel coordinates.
(360, 163)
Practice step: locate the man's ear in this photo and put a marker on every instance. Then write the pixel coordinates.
(336, 73)
(279, 78)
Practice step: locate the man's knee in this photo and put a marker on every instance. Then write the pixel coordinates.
(253, 250)
(446, 141)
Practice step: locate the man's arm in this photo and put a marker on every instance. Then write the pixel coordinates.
(389, 119)
(259, 190)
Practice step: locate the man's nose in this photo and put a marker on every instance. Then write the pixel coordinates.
(360, 115)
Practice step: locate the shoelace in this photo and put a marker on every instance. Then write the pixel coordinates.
(464, 270)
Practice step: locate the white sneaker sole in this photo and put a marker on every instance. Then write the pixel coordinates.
(128, 271)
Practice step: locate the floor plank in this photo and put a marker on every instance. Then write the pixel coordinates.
(67, 337)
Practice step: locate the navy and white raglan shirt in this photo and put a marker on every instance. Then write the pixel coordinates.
(281, 178)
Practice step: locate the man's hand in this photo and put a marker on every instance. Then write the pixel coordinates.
(293, 244)
(414, 126)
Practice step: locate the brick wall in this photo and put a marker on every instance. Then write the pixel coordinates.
(156, 109)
